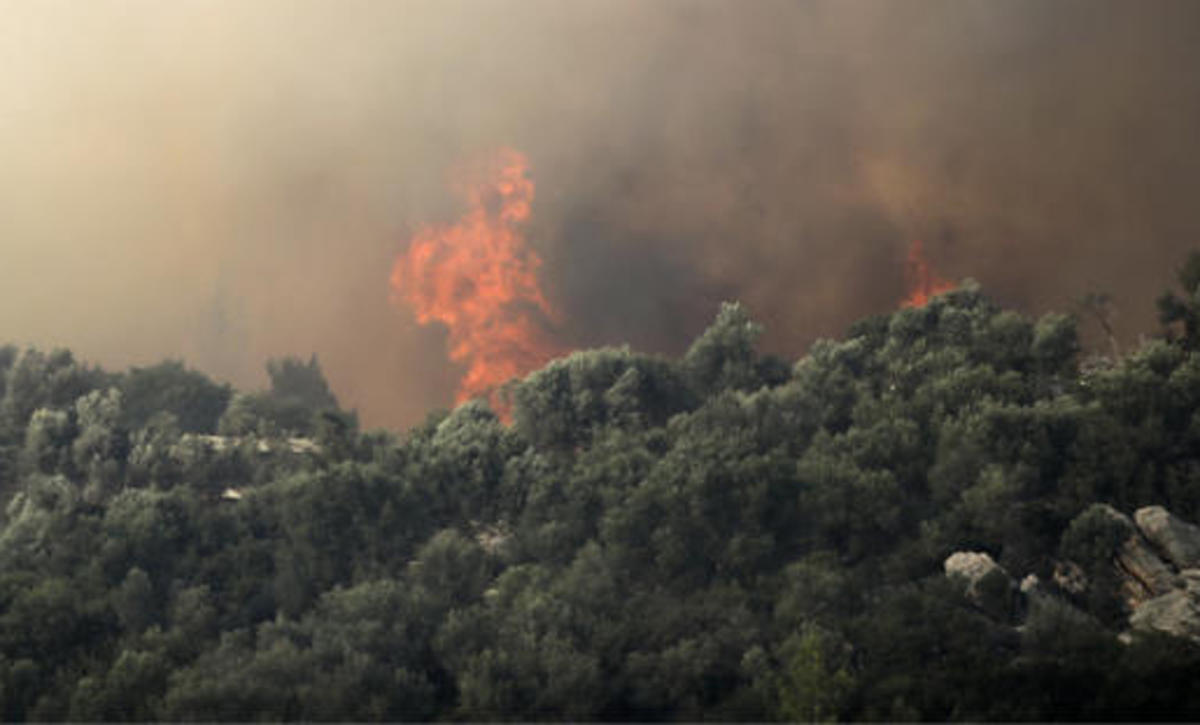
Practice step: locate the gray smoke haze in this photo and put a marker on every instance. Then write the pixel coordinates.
(228, 181)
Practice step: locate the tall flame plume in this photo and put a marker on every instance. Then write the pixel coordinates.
(479, 278)
(923, 282)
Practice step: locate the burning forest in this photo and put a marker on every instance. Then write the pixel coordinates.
(177, 186)
(603, 360)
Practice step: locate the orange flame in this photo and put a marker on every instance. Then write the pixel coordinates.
(923, 282)
(479, 279)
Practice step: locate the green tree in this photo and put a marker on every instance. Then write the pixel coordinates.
(724, 356)
(1180, 315)
(815, 680)
(169, 387)
(134, 601)
(100, 451)
(298, 394)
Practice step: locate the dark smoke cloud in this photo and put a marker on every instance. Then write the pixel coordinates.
(227, 181)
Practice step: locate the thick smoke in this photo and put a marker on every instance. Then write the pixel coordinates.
(226, 181)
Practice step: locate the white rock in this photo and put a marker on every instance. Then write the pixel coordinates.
(1174, 537)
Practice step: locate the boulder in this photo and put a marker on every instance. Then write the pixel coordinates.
(1031, 584)
(1143, 573)
(1174, 608)
(1176, 613)
(1178, 540)
(971, 566)
(986, 583)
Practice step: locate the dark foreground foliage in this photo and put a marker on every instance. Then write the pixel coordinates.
(716, 537)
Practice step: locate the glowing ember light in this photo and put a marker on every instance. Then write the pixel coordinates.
(923, 283)
(480, 279)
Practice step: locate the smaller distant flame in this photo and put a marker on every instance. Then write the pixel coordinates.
(923, 282)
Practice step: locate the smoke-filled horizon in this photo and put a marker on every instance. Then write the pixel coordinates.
(226, 182)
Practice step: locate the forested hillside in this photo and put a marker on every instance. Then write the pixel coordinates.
(722, 536)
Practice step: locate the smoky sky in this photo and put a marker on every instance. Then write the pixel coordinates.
(224, 181)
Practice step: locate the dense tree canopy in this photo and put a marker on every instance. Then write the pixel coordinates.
(716, 537)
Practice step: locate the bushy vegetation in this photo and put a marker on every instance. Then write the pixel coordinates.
(722, 536)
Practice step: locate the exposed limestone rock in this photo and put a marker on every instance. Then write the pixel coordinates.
(1190, 578)
(1176, 613)
(1033, 592)
(1162, 600)
(1144, 575)
(1030, 584)
(261, 445)
(1070, 578)
(1158, 572)
(1174, 537)
(491, 538)
(972, 566)
(988, 585)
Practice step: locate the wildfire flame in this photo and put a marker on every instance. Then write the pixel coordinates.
(480, 279)
(923, 282)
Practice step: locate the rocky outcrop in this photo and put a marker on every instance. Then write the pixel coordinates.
(985, 583)
(261, 445)
(1143, 574)
(971, 567)
(1160, 566)
(1157, 564)
(1176, 613)
(1175, 538)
